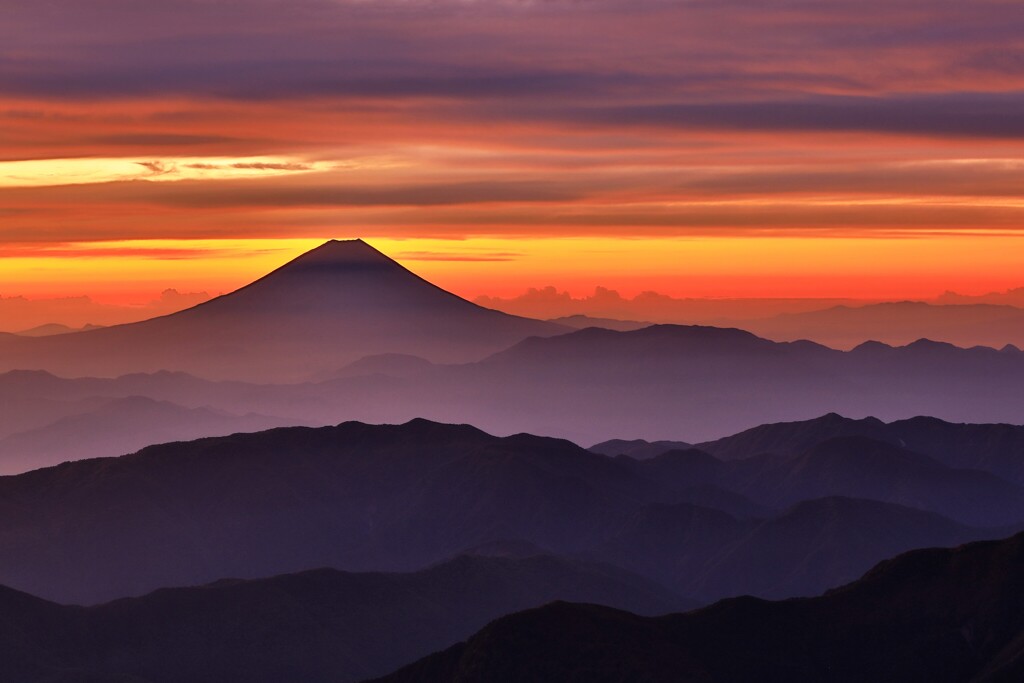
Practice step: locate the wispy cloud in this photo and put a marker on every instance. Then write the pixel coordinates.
(57, 172)
(456, 257)
(257, 118)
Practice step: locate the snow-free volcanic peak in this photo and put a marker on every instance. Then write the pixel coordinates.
(312, 316)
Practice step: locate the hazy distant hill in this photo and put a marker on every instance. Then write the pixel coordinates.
(897, 323)
(317, 626)
(327, 308)
(51, 329)
(175, 387)
(638, 449)
(399, 497)
(964, 321)
(663, 382)
(581, 322)
(698, 383)
(118, 426)
(941, 616)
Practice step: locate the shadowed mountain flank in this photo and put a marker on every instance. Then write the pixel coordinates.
(995, 448)
(316, 626)
(941, 616)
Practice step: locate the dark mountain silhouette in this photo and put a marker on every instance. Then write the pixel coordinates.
(638, 449)
(819, 544)
(355, 496)
(865, 468)
(995, 448)
(397, 498)
(792, 438)
(327, 308)
(941, 616)
(320, 625)
(803, 550)
(849, 466)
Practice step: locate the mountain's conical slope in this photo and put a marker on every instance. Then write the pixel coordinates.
(331, 306)
(341, 278)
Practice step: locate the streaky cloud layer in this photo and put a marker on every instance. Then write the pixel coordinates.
(126, 120)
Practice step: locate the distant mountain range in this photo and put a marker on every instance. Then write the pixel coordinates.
(897, 323)
(582, 322)
(344, 333)
(941, 616)
(118, 426)
(400, 497)
(638, 449)
(686, 384)
(327, 308)
(317, 626)
(994, 319)
(846, 326)
(698, 383)
(50, 329)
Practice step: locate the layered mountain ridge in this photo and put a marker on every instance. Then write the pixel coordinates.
(345, 333)
(315, 626)
(399, 497)
(938, 615)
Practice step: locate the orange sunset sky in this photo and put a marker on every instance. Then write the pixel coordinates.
(862, 149)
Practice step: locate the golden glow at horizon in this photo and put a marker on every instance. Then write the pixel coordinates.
(119, 179)
(752, 261)
(137, 270)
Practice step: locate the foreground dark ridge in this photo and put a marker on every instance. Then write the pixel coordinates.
(935, 616)
(399, 497)
(316, 627)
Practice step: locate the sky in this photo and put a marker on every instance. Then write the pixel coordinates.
(723, 148)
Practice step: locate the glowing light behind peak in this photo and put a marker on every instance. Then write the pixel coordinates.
(696, 148)
(853, 267)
